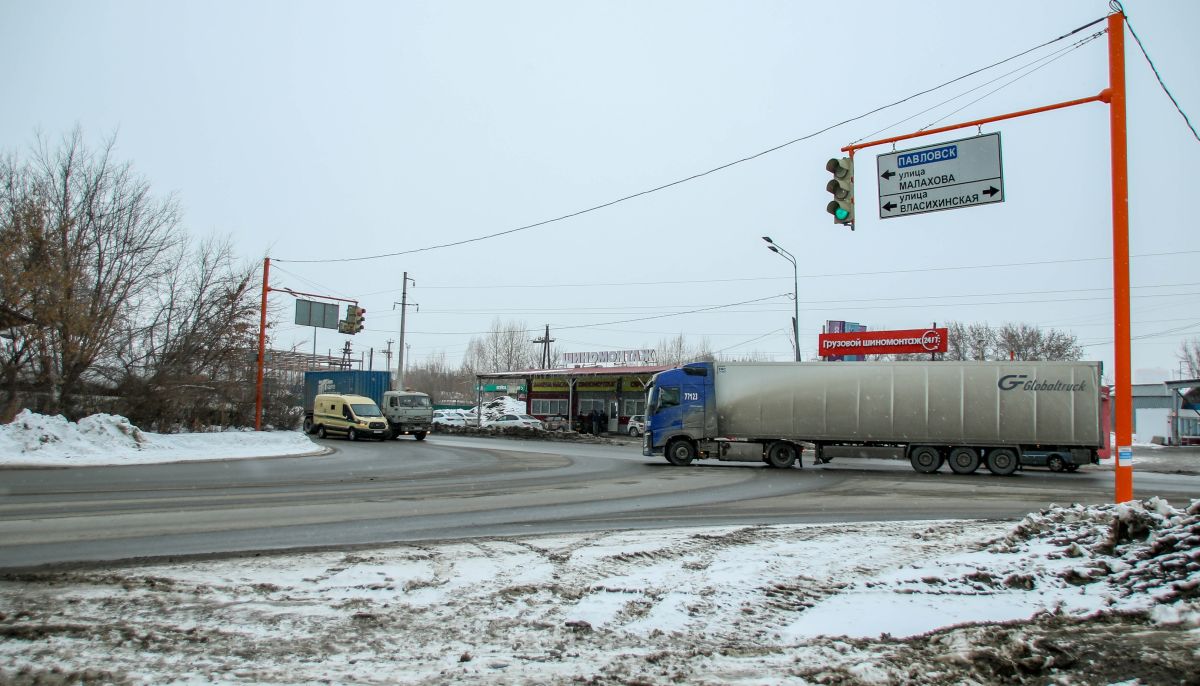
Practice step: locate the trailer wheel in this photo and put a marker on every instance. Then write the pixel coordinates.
(964, 460)
(1056, 463)
(308, 425)
(925, 459)
(680, 453)
(782, 455)
(1002, 461)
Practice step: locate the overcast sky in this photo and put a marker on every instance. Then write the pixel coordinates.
(318, 131)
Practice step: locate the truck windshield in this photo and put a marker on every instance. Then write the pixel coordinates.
(669, 396)
(662, 397)
(414, 401)
(366, 410)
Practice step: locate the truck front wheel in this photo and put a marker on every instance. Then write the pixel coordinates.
(925, 459)
(420, 435)
(782, 455)
(681, 453)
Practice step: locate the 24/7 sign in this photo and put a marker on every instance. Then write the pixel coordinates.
(946, 176)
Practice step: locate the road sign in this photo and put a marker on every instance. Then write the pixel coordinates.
(946, 176)
(310, 313)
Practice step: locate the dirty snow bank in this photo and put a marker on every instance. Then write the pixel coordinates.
(1098, 594)
(33, 439)
(494, 409)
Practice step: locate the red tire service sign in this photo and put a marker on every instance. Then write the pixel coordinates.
(884, 342)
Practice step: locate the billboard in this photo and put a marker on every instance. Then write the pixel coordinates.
(839, 326)
(894, 342)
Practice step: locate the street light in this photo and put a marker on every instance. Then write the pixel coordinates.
(779, 250)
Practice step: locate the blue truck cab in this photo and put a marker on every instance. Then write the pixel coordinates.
(681, 404)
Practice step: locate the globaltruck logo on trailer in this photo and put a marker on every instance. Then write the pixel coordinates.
(1010, 382)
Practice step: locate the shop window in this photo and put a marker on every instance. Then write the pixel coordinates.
(550, 407)
(586, 405)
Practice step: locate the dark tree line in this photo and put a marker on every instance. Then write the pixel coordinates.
(121, 310)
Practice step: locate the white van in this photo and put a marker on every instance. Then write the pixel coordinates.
(352, 416)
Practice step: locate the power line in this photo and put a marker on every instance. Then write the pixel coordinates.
(826, 275)
(1075, 46)
(693, 177)
(1116, 7)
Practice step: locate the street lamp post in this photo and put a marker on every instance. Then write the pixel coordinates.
(779, 250)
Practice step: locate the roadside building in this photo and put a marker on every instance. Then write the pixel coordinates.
(1167, 412)
(619, 392)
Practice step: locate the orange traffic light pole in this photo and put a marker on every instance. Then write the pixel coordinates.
(1120, 229)
(1114, 96)
(262, 335)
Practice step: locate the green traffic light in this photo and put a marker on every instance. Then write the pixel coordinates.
(841, 214)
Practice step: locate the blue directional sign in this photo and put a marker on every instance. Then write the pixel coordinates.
(945, 176)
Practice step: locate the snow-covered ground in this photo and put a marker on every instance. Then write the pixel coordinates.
(104, 439)
(1094, 595)
(1069, 595)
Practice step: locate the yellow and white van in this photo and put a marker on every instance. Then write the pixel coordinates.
(352, 416)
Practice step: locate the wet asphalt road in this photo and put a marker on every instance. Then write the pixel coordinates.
(452, 487)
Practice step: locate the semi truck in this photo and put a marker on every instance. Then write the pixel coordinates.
(1001, 415)
(408, 413)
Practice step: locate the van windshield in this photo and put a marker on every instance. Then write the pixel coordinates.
(366, 410)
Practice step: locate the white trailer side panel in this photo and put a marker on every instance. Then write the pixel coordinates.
(959, 403)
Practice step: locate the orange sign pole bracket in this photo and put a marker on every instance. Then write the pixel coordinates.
(1114, 97)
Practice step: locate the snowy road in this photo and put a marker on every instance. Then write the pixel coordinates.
(455, 487)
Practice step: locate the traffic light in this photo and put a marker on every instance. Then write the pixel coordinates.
(353, 323)
(842, 187)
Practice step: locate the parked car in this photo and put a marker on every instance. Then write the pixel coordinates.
(637, 425)
(450, 417)
(556, 423)
(515, 420)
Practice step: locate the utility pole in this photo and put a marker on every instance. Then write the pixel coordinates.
(387, 355)
(404, 304)
(545, 340)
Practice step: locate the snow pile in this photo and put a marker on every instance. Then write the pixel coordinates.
(494, 409)
(98, 434)
(1081, 561)
(752, 604)
(33, 439)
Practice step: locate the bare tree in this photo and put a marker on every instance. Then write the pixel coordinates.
(93, 241)
(675, 351)
(1025, 342)
(1189, 357)
(444, 384)
(187, 364)
(506, 347)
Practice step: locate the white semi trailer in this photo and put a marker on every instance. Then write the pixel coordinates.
(999, 414)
